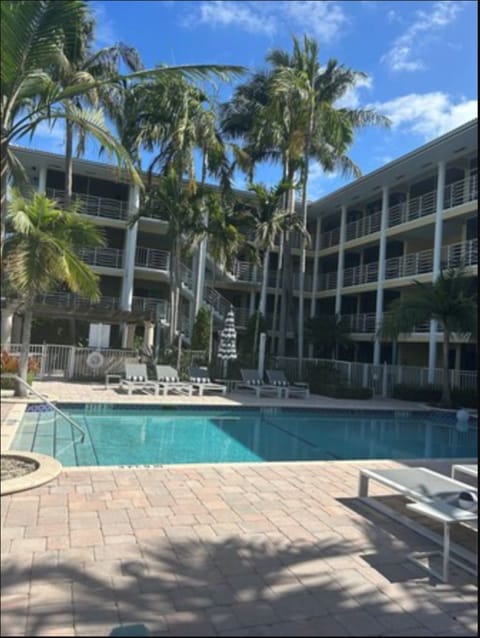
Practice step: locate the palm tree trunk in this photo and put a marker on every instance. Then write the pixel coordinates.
(178, 287)
(210, 336)
(4, 184)
(173, 269)
(20, 389)
(68, 163)
(446, 395)
(263, 300)
(286, 298)
(278, 273)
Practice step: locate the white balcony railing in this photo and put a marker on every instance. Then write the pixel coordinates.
(365, 323)
(152, 258)
(104, 257)
(93, 205)
(247, 271)
(408, 265)
(457, 193)
(145, 304)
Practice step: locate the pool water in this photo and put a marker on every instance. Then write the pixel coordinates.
(157, 435)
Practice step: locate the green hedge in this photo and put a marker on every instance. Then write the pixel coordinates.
(9, 384)
(433, 394)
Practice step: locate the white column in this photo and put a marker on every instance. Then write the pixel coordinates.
(7, 322)
(200, 274)
(437, 264)
(381, 273)
(42, 179)
(313, 302)
(130, 249)
(341, 259)
(148, 334)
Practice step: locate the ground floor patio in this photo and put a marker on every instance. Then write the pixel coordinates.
(280, 549)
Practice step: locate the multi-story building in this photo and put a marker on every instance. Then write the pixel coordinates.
(370, 239)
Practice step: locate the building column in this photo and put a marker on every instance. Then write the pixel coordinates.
(437, 265)
(148, 335)
(313, 301)
(128, 336)
(201, 264)
(251, 308)
(381, 274)
(7, 322)
(130, 250)
(341, 259)
(42, 179)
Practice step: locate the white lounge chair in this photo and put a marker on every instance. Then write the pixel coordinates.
(168, 381)
(253, 381)
(200, 380)
(136, 378)
(435, 496)
(277, 377)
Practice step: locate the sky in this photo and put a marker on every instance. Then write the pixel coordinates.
(420, 59)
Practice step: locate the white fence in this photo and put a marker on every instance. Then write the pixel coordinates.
(381, 378)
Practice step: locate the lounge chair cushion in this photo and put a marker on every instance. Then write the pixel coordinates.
(254, 382)
(199, 380)
(169, 379)
(283, 384)
(135, 377)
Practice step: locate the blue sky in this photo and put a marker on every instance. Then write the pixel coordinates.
(420, 57)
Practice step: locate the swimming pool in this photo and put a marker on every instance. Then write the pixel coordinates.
(158, 435)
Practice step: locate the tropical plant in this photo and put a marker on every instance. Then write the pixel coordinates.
(325, 131)
(35, 37)
(451, 300)
(42, 252)
(328, 333)
(201, 329)
(181, 206)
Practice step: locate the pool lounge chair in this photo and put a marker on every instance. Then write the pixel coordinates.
(435, 496)
(136, 378)
(200, 380)
(277, 377)
(168, 381)
(251, 380)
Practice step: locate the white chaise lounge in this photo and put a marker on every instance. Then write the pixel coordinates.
(435, 496)
(251, 380)
(200, 380)
(277, 377)
(168, 381)
(136, 378)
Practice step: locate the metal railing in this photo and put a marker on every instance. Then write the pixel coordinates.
(47, 402)
(456, 193)
(152, 258)
(93, 205)
(143, 304)
(366, 323)
(105, 257)
(72, 300)
(247, 271)
(407, 265)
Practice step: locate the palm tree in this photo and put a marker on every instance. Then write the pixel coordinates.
(35, 37)
(324, 131)
(450, 300)
(224, 238)
(42, 252)
(269, 220)
(181, 207)
(328, 332)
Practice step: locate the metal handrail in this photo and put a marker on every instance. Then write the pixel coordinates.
(49, 403)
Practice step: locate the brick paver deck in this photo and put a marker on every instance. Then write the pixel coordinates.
(228, 550)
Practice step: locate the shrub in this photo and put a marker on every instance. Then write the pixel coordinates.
(321, 374)
(9, 364)
(465, 398)
(432, 394)
(201, 330)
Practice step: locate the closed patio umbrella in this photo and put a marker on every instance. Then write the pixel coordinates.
(227, 348)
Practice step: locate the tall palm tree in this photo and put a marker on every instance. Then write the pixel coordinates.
(325, 131)
(181, 207)
(35, 36)
(225, 239)
(42, 252)
(451, 300)
(269, 221)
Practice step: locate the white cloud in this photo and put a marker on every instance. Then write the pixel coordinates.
(104, 30)
(428, 114)
(321, 18)
(402, 55)
(351, 99)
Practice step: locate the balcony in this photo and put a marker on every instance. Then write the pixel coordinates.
(247, 271)
(409, 265)
(93, 205)
(457, 193)
(103, 257)
(152, 258)
(365, 323)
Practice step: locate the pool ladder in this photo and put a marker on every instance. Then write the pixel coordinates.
(49, 403)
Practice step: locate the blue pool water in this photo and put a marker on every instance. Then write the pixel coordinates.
(151, 435)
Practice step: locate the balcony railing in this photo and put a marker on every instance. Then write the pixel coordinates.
(365, 323)
(76, 301)
(145, 304)
(93, 205)
(457, 193)
(152, 258)
(247, 271)
(105, 257)
(409, 265)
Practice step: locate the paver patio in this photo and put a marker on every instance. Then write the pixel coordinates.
(231, 550)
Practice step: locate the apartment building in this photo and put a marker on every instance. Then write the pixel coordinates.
(370, 239)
